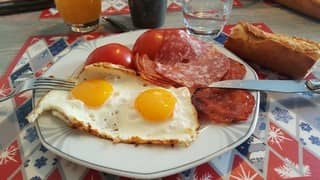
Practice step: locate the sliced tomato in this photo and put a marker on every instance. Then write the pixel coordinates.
(113, 53)
(149, 43)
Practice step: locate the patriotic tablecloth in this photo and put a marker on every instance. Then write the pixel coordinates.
(114, 7)
(285, 143)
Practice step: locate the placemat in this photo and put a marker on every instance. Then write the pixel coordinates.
(285, 143)
(114, 7)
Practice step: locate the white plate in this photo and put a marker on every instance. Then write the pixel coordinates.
(143, 161)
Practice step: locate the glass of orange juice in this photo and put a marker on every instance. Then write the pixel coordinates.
(81, 15)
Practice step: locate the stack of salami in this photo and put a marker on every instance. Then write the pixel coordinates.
(186, 61)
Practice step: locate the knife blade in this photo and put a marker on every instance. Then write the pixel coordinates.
(285, 86)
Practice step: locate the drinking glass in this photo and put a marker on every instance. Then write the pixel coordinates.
(81, 15)
(206, 18)
(148, 13)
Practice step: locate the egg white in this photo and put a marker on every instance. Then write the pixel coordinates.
(117, 119)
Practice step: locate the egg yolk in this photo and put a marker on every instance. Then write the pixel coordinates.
(92, 92)
(155, 105)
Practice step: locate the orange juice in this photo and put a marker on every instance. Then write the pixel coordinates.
(79, 11)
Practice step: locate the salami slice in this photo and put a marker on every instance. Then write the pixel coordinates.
(223, 105)
(146, 69)
(194, 73)
(190, 62)
(236, 71)
(178, 46)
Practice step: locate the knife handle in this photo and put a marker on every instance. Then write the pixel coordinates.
(313, 85)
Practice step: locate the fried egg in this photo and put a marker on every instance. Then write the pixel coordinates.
(114, 103)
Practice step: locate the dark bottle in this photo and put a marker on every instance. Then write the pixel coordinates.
(148, 13)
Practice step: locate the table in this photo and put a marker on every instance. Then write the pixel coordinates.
(15, 29)
(264, 155)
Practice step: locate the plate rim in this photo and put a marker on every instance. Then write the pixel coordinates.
(165, 172)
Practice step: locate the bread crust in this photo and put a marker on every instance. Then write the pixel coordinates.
(290, 56)
(308, 7)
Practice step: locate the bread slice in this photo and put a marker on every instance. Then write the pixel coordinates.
(290, 56)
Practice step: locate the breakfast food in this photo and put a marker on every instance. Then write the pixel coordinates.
(235, 71)
(132, 110)
(286, 55)
(160, 99)
(223, 105)
(114, 53)
(182, 60)
(190, 62)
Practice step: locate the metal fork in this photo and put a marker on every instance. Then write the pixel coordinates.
(46, 83)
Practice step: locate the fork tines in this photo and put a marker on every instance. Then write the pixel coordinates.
(43, 83)
(53, 83)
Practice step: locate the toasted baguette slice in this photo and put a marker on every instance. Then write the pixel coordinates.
(308, 7)
(290, 56)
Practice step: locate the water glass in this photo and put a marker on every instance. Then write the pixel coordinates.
(206, 18)
(82, 15)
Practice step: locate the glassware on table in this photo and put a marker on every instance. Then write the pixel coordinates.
(206, 18)
(82, 15)
(148, 13)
